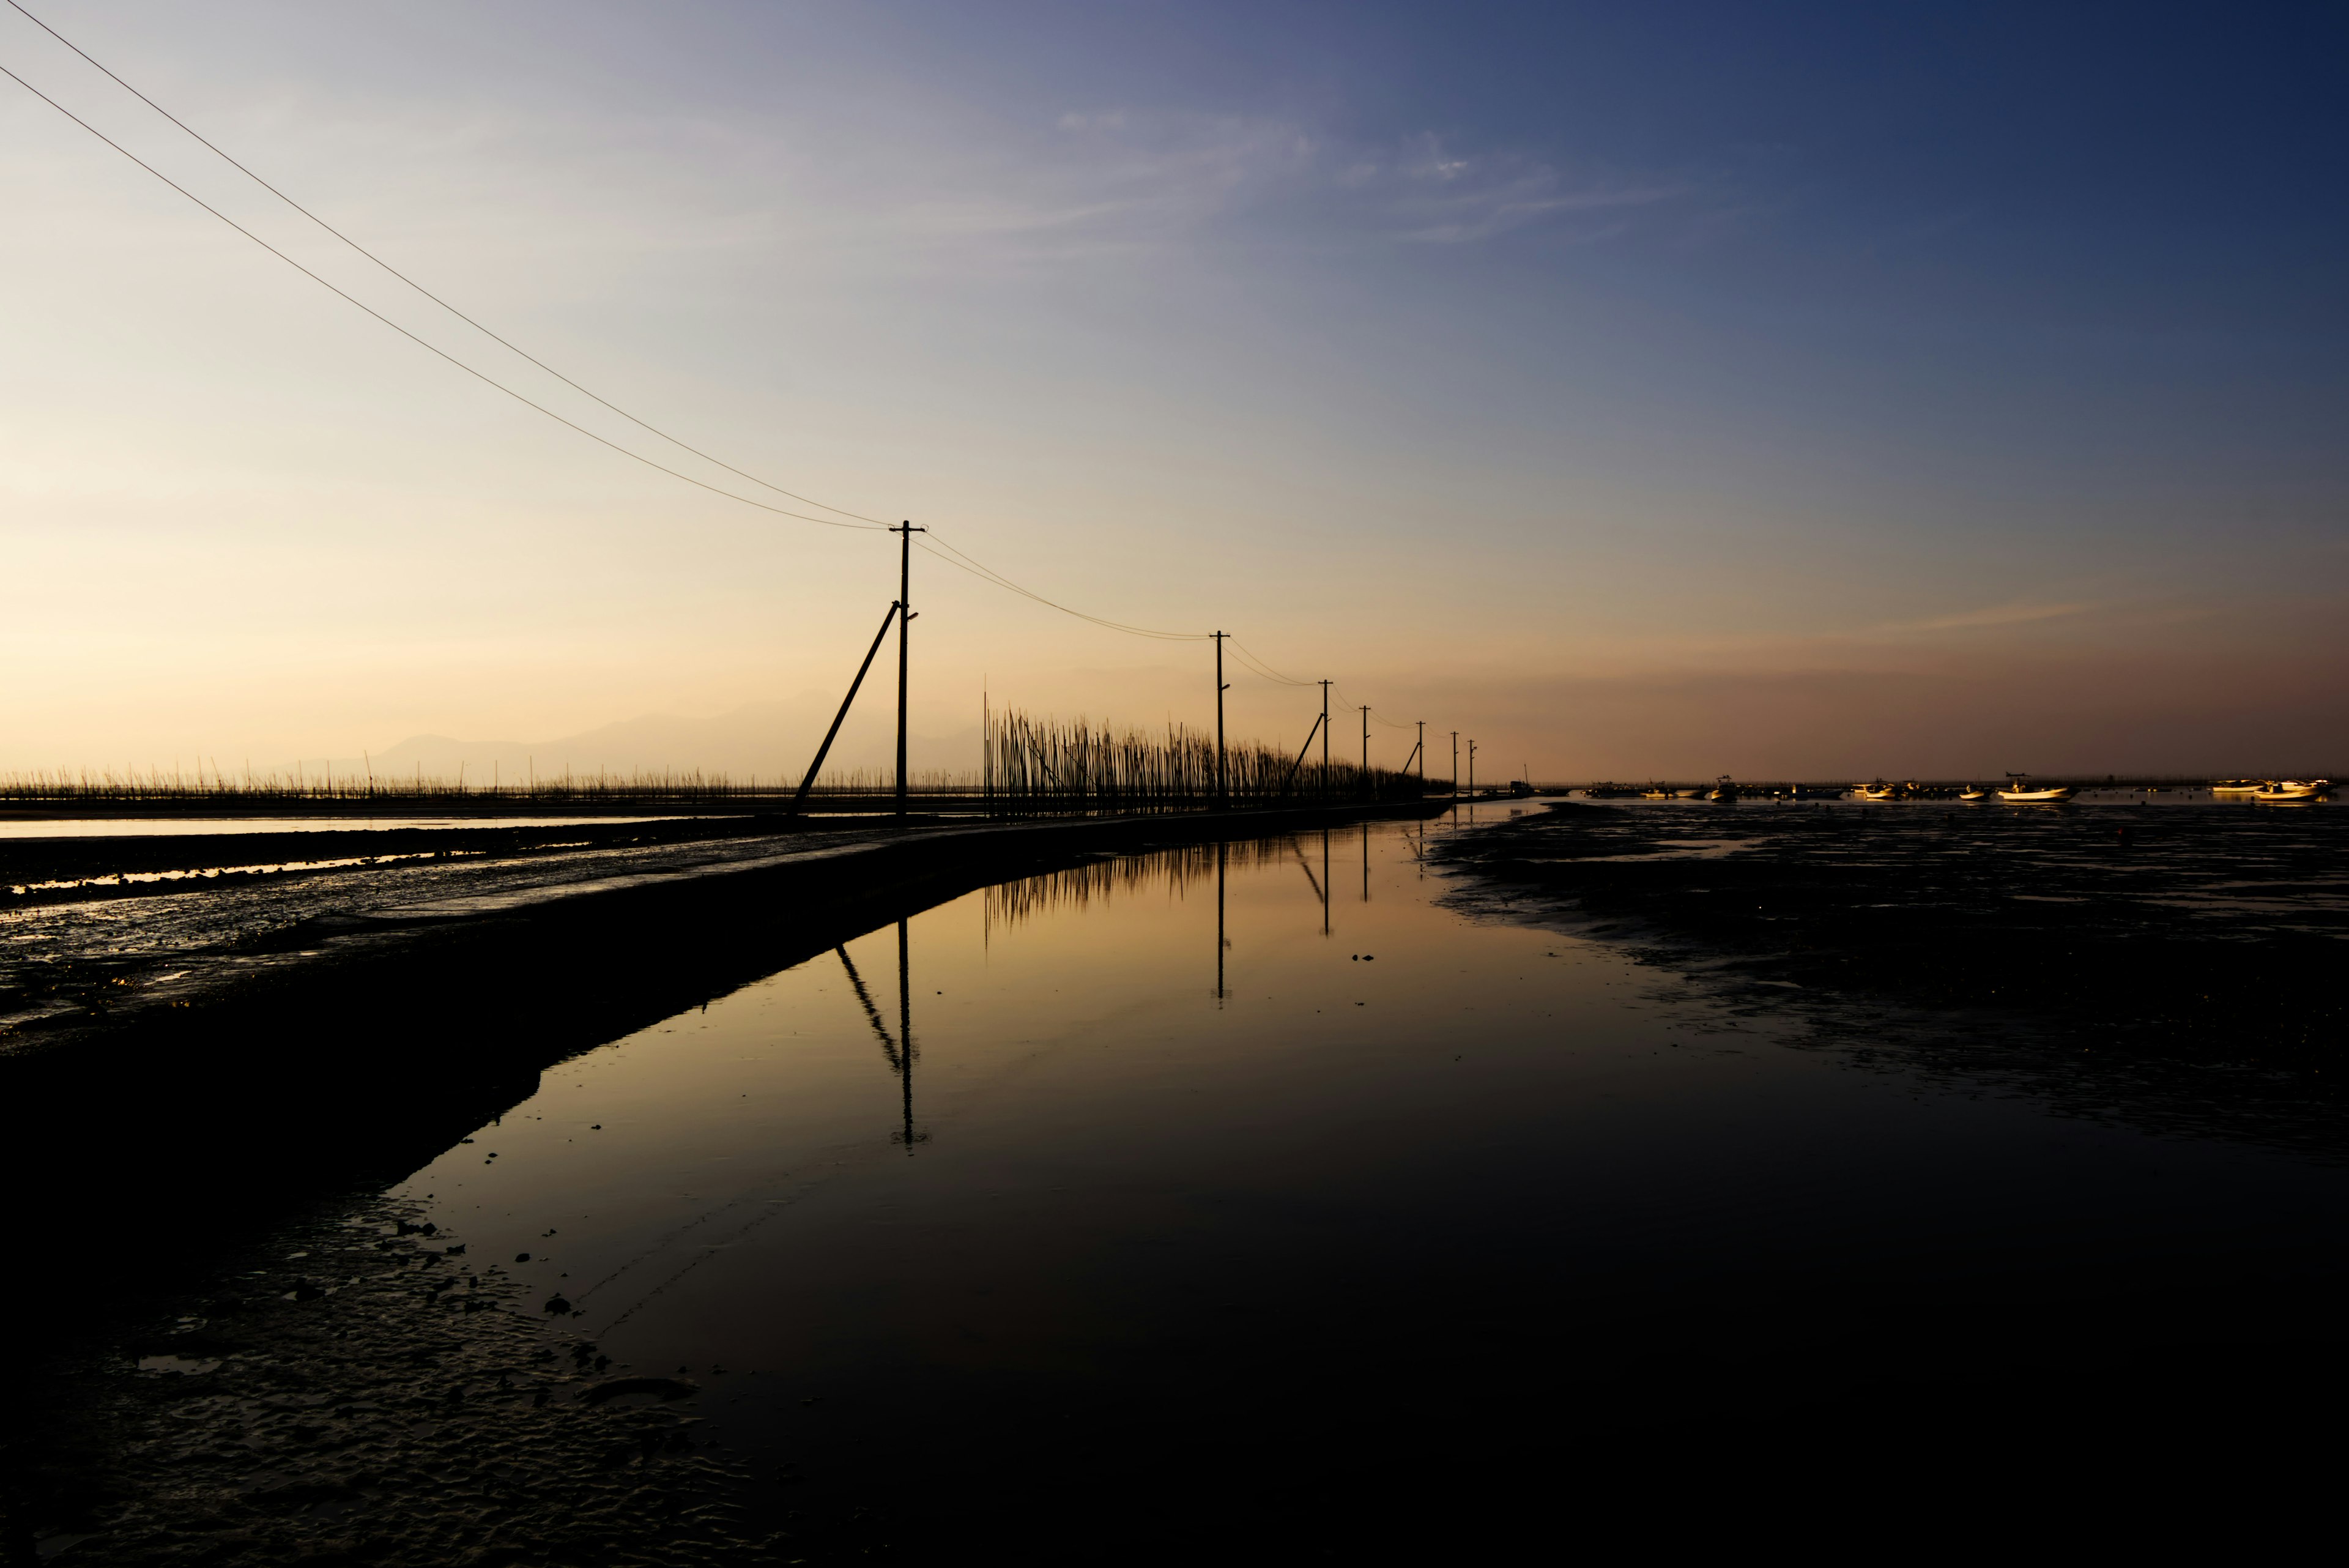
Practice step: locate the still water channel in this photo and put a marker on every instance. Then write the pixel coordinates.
(1228, 1144)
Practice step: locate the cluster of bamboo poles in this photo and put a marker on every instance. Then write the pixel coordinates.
(1042, 764)
(1178, 870)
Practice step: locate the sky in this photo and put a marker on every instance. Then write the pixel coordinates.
(1803, 391)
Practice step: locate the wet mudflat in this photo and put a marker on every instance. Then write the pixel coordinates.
(105, 921)
(2182, 963)
(1285, 1195)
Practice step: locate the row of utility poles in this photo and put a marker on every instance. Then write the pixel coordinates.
(901, 612)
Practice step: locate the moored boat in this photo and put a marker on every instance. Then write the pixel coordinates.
(2019, 793)
(2289, 790)
(1973, 791)
(2239, 786)
(1723, 790)
(1879, 790)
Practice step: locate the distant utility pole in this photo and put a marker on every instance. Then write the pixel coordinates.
(1223, 790)
(1366, 748)
(1455, 764)
(1325, 737)
(1472, 770)
(1421, 751)
(905, 629)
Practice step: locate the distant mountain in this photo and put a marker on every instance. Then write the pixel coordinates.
(767, 740)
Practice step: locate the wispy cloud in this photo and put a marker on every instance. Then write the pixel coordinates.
(1988, 617)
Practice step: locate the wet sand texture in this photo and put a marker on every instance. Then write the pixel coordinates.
(2217, 937)
(371, 1399)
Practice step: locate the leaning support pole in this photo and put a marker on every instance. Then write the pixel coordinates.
(823, 751)
(1301, 752)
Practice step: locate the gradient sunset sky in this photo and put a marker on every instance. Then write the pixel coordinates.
(1655, 389)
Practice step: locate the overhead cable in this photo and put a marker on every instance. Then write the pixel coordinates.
(404, 332)
(945, 552)
(1249, 658)
(957, 558)
(476, 326)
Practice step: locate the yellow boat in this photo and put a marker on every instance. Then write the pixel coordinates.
(2289, 790)
(2239, 786)
(1973, 791)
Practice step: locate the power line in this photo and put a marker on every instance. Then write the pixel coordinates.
(958, 558)
(404, 332)
(1249, 658)
(476, 326)
(944, 550)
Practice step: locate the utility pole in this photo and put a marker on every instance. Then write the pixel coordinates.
(1422, 750)
(1366, 747)
(1455, 764)
(1223, 790)
(905, 629)
(1324, 739)
(1472, 770)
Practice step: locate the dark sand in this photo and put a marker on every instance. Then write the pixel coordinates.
(2183, 965)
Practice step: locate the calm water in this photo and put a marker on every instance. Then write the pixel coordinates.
(1245, 1142)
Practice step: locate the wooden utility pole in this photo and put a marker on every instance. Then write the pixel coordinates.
(1366, 745)
(1223, 789)
(1420, 751)
(1325, 738)
(905, 628)
(1472, 770)
(1455, 764)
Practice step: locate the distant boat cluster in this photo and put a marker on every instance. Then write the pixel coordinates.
(2018, 790)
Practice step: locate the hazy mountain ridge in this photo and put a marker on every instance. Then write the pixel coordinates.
(765, 740)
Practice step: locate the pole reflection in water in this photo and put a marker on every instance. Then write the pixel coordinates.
(1324, 884)
(1223, 859)
(1320, 883)
(905, 1031)
(900, 1056)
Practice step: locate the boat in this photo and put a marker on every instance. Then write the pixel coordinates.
(1723, 790)
(2239, 786)
(1655, 794)
(1879, 790)
(2289, 790)
(1694, 793)
(1973, 791)
(2018, 793)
